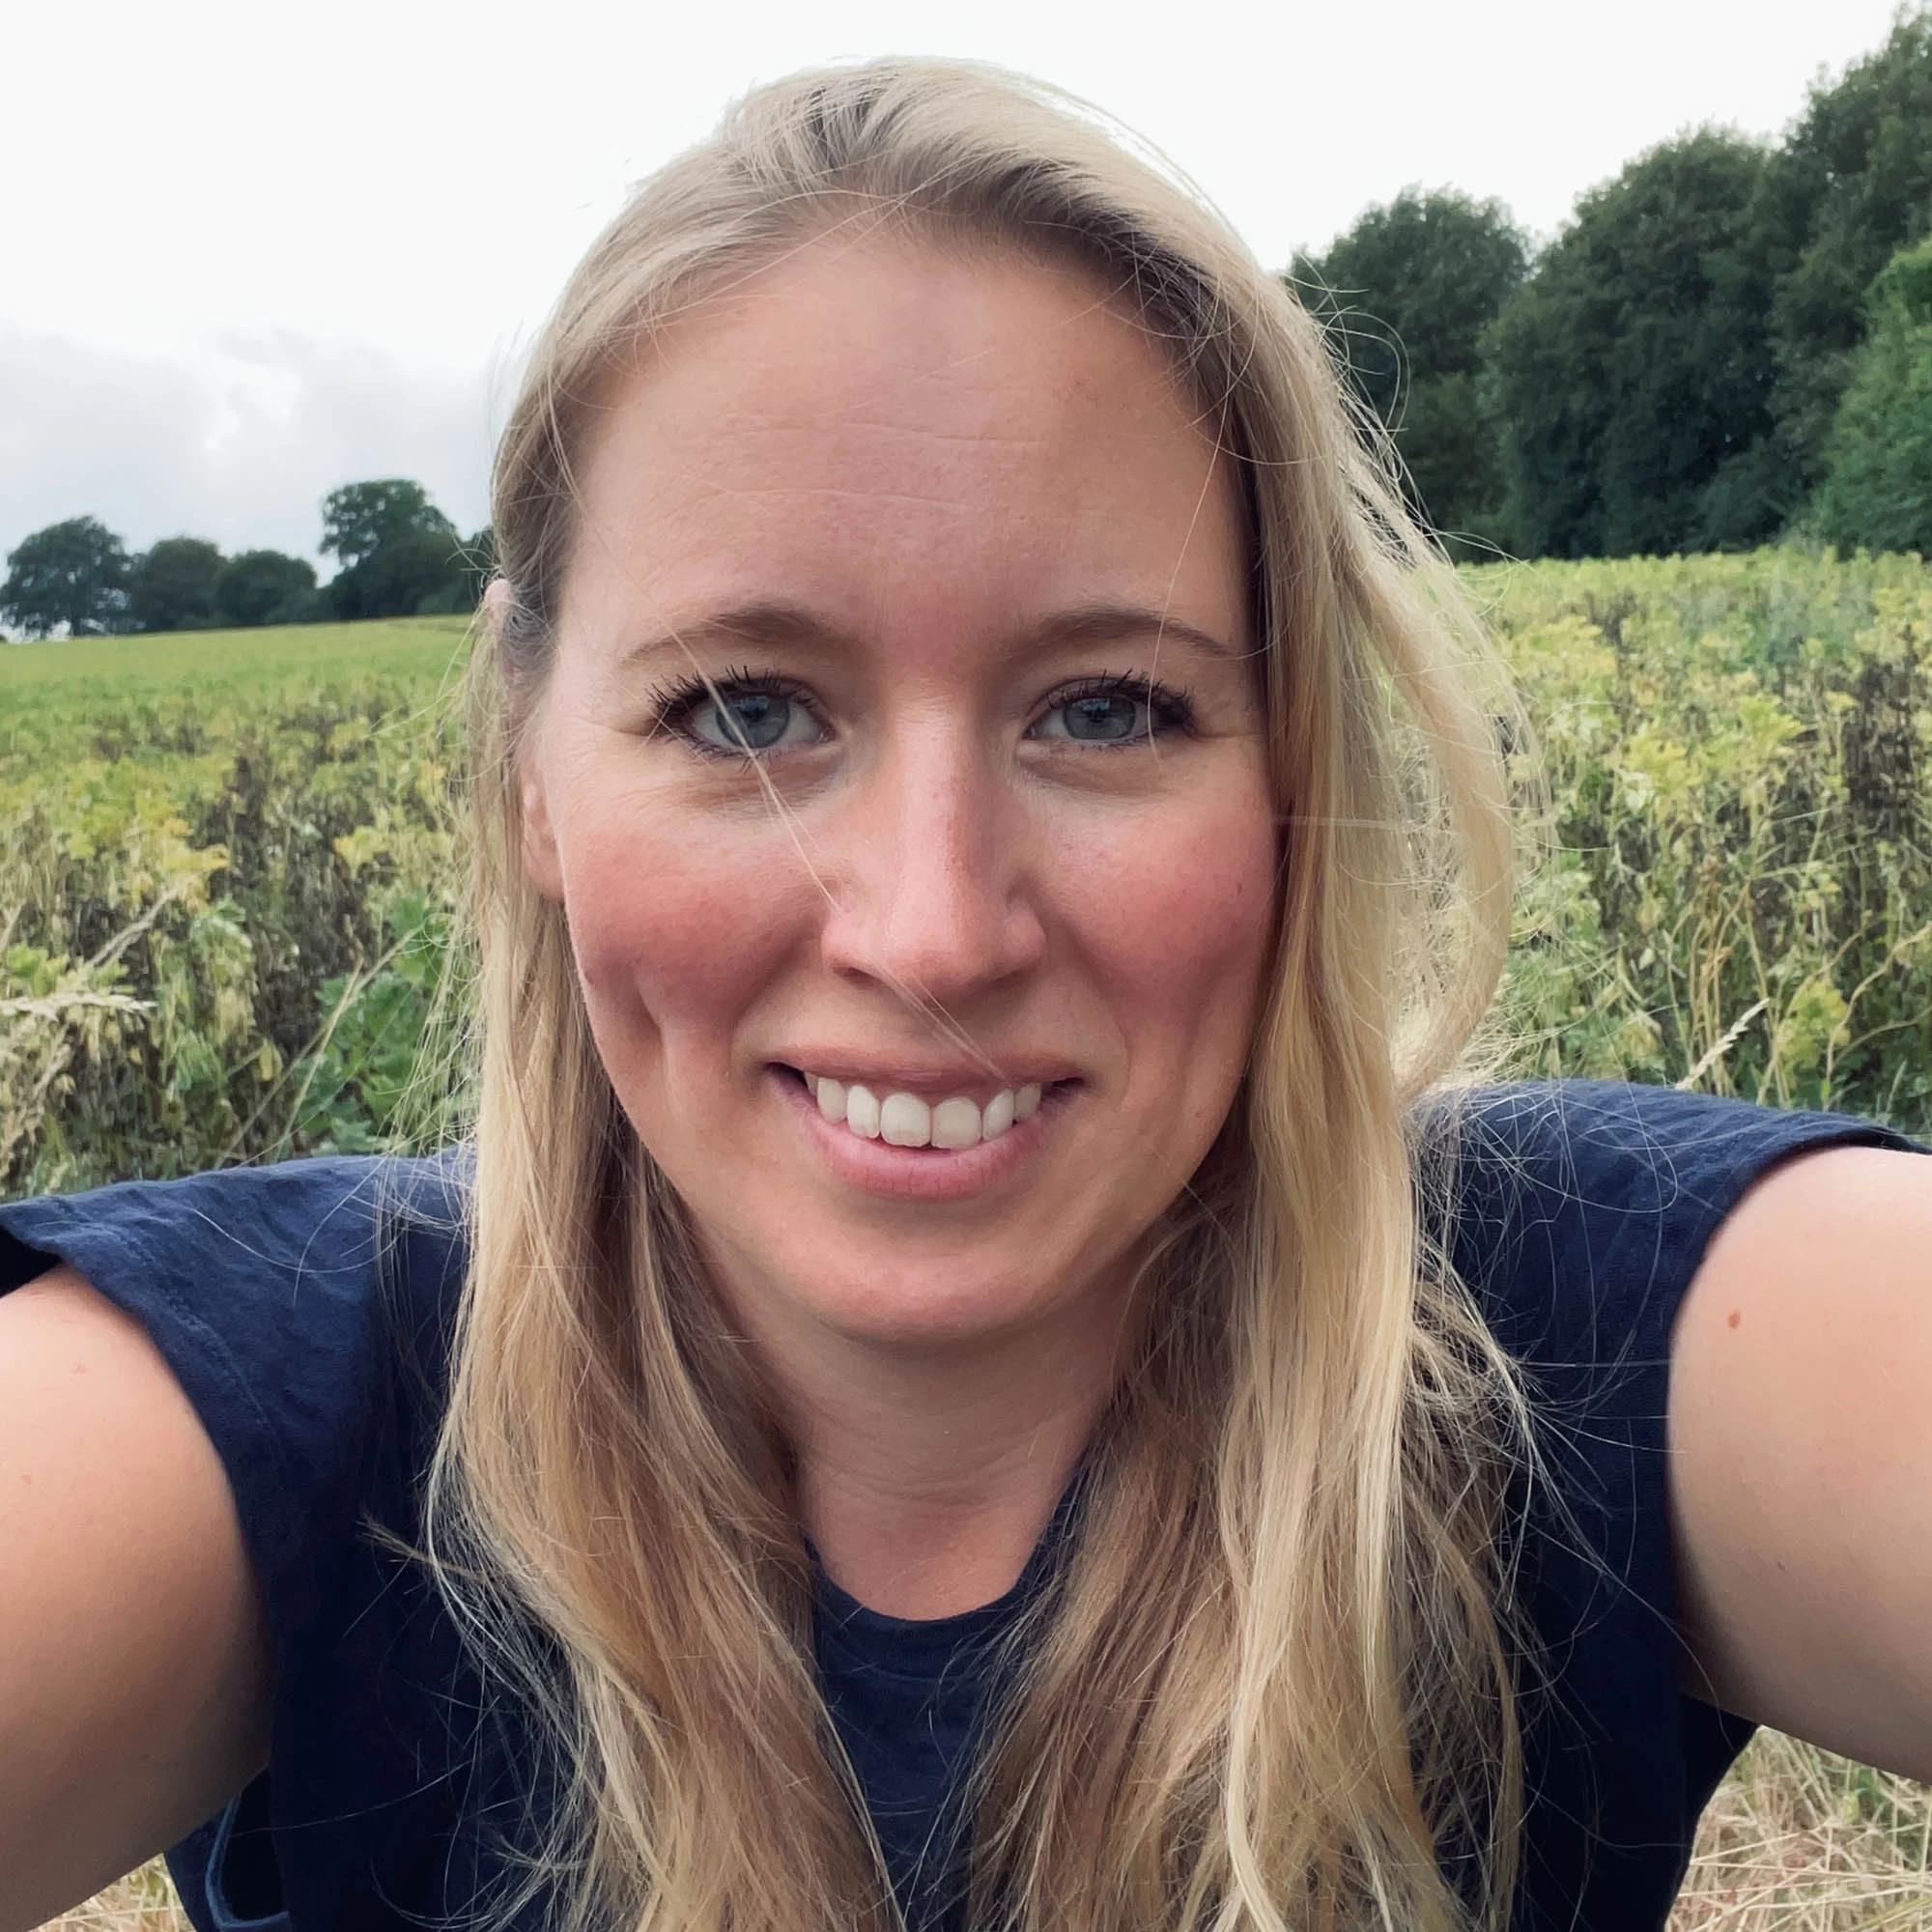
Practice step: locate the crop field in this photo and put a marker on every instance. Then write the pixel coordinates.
(227, 867)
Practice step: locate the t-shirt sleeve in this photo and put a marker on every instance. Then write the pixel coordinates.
(1582, 1212)
(306, 1311)
(278, 1297)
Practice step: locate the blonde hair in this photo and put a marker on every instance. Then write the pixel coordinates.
(1270, 1685)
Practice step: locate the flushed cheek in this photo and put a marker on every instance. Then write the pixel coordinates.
(676, 939)
(1177, 923)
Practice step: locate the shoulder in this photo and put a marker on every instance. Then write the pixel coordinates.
(305, 1309)
(1578, 1212)
(313, 1238)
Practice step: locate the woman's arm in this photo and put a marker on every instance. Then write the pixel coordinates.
(134, 1675)
(1801, 1465)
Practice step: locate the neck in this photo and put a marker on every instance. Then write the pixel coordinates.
(927, 1474)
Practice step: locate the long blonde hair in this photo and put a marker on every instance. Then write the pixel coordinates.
(1270, 1685)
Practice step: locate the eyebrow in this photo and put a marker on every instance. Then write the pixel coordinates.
(775, 625)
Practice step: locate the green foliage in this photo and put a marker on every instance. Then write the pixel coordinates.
(400, 555)
(73, 572)
(363, 1088)
(171, 586)
(1849, 187)
(217, 853)
(1738, 893)
(1407, 295)
(1633, 372)
(359, 518)
(1877, 492)
(417, 572)
(263, 586)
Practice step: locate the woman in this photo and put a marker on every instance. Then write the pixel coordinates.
(978, 1370)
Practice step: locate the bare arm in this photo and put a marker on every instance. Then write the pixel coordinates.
(1801, 1436)
(134, 1675)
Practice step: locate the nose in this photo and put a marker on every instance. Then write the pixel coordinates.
(933, 891)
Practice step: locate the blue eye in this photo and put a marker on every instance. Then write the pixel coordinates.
(1100, 721)
(751, 721)
(1113, 711)
(744, 719)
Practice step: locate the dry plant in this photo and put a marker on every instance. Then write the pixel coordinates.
(144, 1901)
(1800, 1840)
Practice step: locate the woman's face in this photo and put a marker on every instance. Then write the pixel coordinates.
(968, 575)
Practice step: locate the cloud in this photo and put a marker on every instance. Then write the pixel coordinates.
(239, 444)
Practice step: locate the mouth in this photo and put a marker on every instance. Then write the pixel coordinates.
(945, 1123)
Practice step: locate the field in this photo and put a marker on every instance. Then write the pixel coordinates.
(226, 869)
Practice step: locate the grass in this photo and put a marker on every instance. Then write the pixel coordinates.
(1796, 1840)
(113, 671)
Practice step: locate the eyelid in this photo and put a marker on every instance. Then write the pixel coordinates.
(1167, 706)
(670, 702)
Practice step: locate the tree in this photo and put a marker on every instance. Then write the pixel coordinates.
(358, 519)
(1408, 295)
(171, 586)
(1633, 371)
(1851, 185)
(400, 554)
(73, 572)
(264, 586)
(409, 575)
(1877, 491)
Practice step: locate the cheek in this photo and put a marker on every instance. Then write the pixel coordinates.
(674, 935)
(1177, 918)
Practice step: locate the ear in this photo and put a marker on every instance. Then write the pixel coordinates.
(541, 865)
(495, 605)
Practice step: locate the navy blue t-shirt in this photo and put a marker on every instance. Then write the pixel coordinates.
(306, 1311)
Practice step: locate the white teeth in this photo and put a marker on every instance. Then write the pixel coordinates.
(904, 1119)
(955, 1124)
(862, 1112)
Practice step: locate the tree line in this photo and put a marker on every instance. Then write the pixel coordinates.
(398, 557)
(1730, 341)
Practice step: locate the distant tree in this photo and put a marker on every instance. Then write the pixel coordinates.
(408, 576)
(171, 587)
(73, 572)
(1849, 187)
(358, 519)
(1408, 295)
(399, 553)
(1633, 371)
(1877, 491)
(264, 586)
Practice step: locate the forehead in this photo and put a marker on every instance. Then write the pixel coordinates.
(884, 406)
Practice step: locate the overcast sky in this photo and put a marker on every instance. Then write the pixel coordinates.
(250, 252)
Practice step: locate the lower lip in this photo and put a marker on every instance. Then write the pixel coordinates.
(928, 1172)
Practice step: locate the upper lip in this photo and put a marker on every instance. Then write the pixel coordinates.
(930, 1080)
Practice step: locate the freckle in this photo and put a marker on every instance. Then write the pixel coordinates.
(1737, 1316)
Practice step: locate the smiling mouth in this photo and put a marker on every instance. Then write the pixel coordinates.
(906, 1120)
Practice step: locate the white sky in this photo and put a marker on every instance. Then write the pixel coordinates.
(249, 251)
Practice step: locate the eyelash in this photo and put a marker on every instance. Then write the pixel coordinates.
(1169, 708)
(671, 705)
